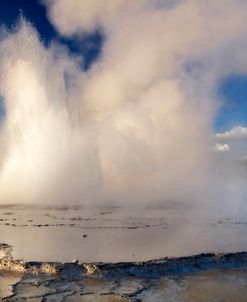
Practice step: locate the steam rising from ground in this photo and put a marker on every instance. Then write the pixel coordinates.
(136, 127)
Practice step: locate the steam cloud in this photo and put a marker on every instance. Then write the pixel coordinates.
(137, 126)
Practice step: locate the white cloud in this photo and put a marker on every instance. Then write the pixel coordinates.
(236, 132)
(222, 147)
(73, 16)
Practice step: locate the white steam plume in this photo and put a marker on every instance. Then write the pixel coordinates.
(136, 127)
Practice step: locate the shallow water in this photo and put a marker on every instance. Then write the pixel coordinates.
(210, 286)
(121, 234)
(116, 234)
(7, 280)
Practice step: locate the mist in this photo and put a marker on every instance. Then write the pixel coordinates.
(137, 126)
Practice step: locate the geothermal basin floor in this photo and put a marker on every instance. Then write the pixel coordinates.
(111, 234)
(207, 278)
(120, 242)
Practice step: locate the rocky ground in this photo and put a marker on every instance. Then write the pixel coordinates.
(201, 278)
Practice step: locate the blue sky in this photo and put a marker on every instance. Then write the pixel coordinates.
(88, 45)
(232, 90)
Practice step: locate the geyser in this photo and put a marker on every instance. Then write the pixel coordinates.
(134, 128)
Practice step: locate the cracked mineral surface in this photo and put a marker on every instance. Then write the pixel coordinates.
(200, 278)
(203, 286)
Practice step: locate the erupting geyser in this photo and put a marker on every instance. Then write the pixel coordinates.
(123, 138)
(135, 127)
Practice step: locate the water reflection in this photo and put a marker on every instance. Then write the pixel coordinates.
(116, 234)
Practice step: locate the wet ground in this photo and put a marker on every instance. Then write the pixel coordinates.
(117, 234)
(224, 285)
(113, 248)
(202, 278)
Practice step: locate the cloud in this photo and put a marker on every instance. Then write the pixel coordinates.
(75, 16)
(236, 132)
(222, 147)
